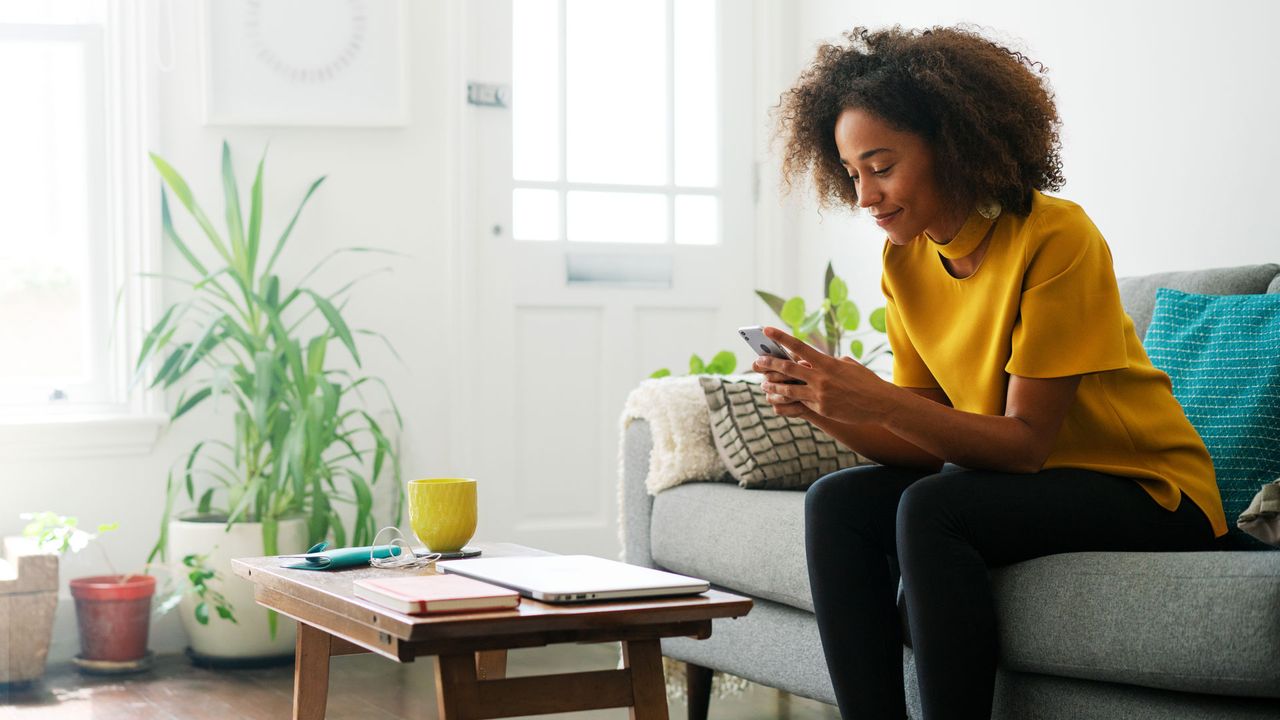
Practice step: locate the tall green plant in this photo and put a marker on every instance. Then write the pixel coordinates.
(825, 327)
(303, 438)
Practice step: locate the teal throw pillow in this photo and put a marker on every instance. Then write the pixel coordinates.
(1222, 353)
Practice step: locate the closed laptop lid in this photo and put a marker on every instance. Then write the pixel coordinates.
(564, 578)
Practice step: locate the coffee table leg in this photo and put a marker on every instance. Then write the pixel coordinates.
(491, 664)
(648, 687)
(456, 686)
(311, 673)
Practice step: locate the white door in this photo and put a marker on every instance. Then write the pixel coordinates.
(610, 235)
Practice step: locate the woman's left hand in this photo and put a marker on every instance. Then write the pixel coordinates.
(841, 389)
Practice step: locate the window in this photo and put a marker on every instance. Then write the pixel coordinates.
(616, 114)
(71, 228)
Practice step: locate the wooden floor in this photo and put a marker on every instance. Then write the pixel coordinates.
(361, 686)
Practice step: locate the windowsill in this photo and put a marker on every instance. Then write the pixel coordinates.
(78, 436)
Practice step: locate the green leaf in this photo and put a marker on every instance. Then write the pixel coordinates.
(153, 336)
(660, 373)
(837, 291)
(855, 348)
(171, 366)
(264, 373)
(166, 222)
(723, 363)
(235, 222)
(224, 612)
(160, 549)
(202, 613)
(827, 276)
(185, 405)
(696, 366)
(273, 292)
(255, 217)
(206, 502)
(793, 312)
(315, 354)
(183, 193)
(877, 319)
(810, 324)
(289, 229)
(848, 316)
(337, 323)
(774, 302)
(108, 527)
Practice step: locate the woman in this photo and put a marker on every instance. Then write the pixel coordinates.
(1013, 363)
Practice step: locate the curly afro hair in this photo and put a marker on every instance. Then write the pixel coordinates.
(986, 111)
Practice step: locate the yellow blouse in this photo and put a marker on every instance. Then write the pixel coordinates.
(1044, 303)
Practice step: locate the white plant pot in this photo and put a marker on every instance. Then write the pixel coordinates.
(249, 636)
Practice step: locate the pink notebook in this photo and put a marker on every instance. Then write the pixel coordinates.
(427, 594)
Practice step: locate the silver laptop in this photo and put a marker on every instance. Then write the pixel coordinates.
(574, 578)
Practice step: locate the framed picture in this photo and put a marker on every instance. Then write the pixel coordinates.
(305, 62)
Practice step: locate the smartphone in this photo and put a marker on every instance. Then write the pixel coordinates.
(755, 337)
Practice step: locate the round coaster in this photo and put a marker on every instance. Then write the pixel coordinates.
(465, 552)
(114, 667)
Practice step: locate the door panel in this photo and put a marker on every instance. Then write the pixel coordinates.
(550, 362)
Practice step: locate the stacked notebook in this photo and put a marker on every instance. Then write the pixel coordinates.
(428, 594)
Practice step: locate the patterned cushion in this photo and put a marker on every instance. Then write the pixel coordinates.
(1223, 355)
(763, 449)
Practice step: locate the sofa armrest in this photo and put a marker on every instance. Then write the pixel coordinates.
(633, 498)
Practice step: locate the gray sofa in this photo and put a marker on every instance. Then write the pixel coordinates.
(1086, 635)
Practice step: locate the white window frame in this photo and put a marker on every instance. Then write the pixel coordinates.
(669, 190)
(126, 421)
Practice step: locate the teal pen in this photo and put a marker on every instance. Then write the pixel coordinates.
(342, 557)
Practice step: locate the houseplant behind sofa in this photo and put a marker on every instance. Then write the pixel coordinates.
(1085, 635)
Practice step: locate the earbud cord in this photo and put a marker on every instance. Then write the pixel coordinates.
(405, 559)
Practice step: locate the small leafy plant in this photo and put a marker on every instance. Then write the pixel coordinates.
(723, 363)
(825, 327)
(199, 576)
(61, 534)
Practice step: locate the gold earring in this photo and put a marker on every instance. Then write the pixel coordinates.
(990, 208)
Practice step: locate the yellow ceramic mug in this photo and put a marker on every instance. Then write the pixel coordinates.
(442, 512)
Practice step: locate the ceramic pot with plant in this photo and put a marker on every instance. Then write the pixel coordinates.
(113, 611)
(301, 433)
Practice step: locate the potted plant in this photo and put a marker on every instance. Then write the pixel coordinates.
(302, 438)
(836, 316)
(113, 611)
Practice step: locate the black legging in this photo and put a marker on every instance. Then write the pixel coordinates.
(944, 531)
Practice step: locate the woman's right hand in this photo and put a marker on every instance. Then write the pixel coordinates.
(784, 406)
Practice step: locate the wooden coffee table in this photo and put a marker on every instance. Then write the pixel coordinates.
(471, 648)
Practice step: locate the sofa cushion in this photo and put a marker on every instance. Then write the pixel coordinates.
(751, 541)
(1203, 622)
(763, 449)
(1084, 615)
(1222, 354)
(1139, 293)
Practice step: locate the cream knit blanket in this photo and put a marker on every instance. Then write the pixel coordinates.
(683, 451)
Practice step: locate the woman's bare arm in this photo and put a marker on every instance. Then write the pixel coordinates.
(846, 392)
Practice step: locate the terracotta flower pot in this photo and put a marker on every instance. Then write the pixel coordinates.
(114, 613)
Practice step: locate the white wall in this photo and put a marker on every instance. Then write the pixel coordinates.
(1169, 113)
(389, 188)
